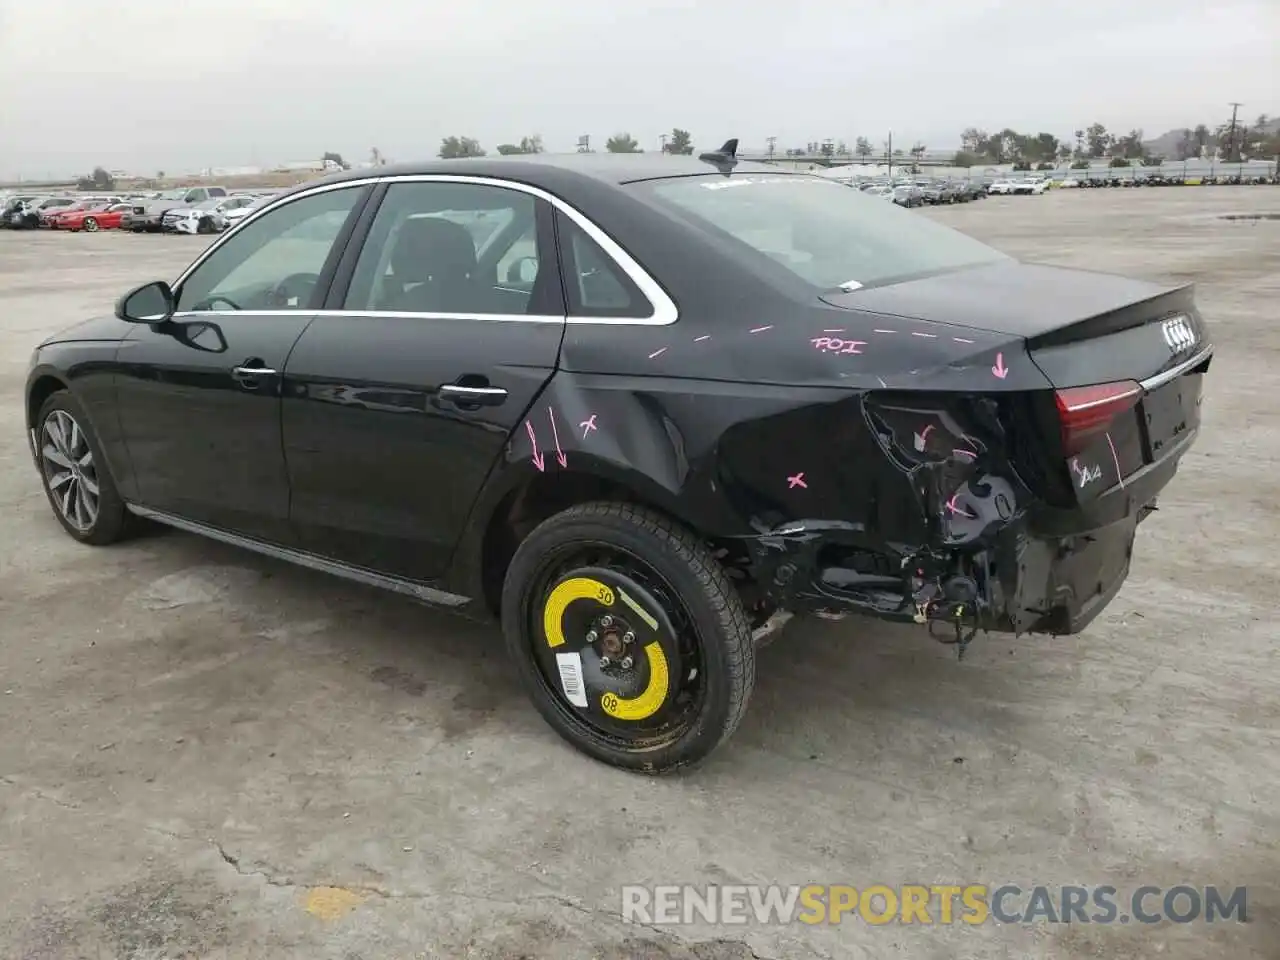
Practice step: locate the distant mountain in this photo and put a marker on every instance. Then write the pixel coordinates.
(1166, 145)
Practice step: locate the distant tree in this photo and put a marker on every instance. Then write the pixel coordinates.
(531, 144)
(376, 158)
(102, 180)
(827, 149)
(1021, 165)
(452, 148)
(1045, 147)
(330, 157)
(1064, 153)
(622, 143)
(974, 141)
(1119, 162)
(680, 142)
(964, 158)
(862, 147)
(842, 149)
(159, 174)
(1079, 151)
(1044, 165)
(1186, 147)
(1098, 139)
(1129, 146)
(1203, 138)
(1080, 164)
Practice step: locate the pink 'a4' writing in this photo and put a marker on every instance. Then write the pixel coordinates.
(838, 345)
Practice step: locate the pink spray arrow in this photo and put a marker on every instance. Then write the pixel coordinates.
(556, 433)
(1000, 370)
(533, 442)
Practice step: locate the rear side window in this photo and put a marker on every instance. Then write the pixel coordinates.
(820, 231)
(596, 285)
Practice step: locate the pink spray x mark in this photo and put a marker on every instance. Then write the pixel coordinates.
(797, 481)
(533, 442)
(588, 425)
(556, 434)
(959, 511)
(1000, 370)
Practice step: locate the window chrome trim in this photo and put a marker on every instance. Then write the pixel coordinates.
(664, 313)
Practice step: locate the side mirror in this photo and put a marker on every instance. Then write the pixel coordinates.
(150, 303)
(524, 270)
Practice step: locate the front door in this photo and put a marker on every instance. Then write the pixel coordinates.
(199, 395)
(400, 396)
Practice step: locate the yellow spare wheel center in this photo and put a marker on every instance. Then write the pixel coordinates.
(649, 700)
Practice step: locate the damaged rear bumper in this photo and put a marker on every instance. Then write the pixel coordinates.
(1027, 568)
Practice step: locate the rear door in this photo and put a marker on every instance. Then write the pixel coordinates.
(440, 331)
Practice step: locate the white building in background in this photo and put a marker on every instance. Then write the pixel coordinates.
(232, 172)
(306, 166)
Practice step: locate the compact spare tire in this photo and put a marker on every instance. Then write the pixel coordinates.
(628, 636)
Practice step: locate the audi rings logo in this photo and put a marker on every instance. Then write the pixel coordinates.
(1179, 335)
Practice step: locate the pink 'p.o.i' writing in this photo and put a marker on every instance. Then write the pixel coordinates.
(838, 345)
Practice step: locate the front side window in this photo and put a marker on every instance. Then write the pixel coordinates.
(457, 248)
(275, 261)
(821, 232)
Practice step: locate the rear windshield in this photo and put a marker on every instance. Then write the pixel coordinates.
(825, 233)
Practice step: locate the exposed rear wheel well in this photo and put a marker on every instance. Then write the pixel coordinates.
(41, 391)
(548, 494)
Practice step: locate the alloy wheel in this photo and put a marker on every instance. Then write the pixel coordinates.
(69, 470)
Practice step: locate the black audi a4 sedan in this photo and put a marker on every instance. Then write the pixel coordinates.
(638, 409)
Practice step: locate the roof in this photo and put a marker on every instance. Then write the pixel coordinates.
(614, 168)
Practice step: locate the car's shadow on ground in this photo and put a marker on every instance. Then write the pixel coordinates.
(841, 693)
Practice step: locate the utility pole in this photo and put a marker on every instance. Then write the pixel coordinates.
(889, 153)
(662, 142)
(772, 141)
(1231, 137)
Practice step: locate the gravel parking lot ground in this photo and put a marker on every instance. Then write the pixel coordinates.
(208, 754)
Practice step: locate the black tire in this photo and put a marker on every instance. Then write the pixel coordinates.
(112, 520)
(91, 224)
(698, 621)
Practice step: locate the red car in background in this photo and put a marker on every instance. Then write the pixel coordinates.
(103, 216)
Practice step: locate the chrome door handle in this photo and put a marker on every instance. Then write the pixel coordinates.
(488, 396)
(253, 371)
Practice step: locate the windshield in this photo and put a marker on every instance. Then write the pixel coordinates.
(823, 233)
(171, 194)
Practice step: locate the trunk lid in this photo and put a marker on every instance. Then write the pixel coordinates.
(1126, 359)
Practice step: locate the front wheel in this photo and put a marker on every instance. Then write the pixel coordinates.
(75, 474)
(629, 636)
(90, 225)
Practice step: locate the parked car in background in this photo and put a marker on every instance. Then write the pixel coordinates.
(17, 212)
(1001, 187)
(148, 215)
(1030, 186)
(51, 205)
(103, 216)
(908, 195)
(204, 217)
(233, 214)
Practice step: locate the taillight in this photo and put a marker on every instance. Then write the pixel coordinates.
(1086, 413)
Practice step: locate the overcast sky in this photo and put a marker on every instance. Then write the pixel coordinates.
(179, 85)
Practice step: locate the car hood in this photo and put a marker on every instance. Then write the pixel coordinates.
(105, 328)
(1013, 298)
